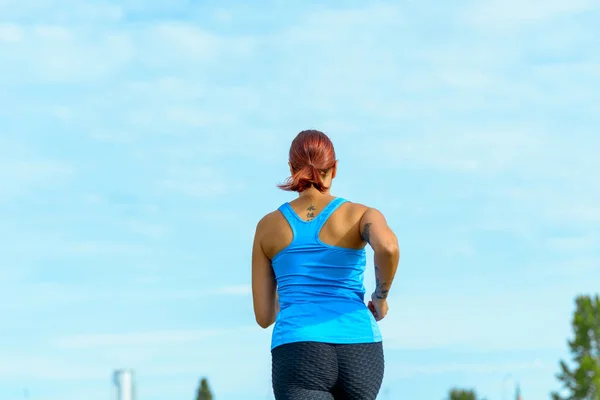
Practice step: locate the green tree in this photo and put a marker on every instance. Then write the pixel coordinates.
(204, 392)
(462, 394)
(582, 382)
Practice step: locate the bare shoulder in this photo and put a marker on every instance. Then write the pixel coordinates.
(351, 213)
(273, 233)
(367, 215)
(357, 209)
(268, 220)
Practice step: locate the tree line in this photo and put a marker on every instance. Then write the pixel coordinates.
(579, 378)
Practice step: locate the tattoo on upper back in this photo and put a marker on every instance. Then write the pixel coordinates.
(310, 214)
(366, 232)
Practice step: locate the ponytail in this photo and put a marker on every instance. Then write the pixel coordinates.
(306, 177)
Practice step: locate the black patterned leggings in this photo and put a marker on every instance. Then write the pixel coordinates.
(322, 371)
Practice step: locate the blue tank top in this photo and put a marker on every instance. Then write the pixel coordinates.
(320, 287)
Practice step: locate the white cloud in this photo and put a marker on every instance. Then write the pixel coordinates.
(94, 199)
(17, 289)
(10, 33)
(400, 370)
(574, 243)
(507, 14)
(54, 53)
(479, 320)
(577, 210)
(64, 11)
(167, 88)
(187, 40)
(137, 339)
(21, 177)
(197, 181)
(63, 113)
(336, 22)
(105, 136)
(238, 290)
(98, 12)
(103, 247)
(194, 48)
(194, 188)
(34, 170)
(146, 228)
(76, 53)
(196, 117)
(578, 267)
(521, 178)
(40, 367)
(223, 16)
(25, 296)
(461, 151)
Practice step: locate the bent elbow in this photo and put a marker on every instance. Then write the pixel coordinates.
(389, 248)
(264, 325)
(393, 249)
(264, 322)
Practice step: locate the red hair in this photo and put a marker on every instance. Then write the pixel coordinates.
(311, 155)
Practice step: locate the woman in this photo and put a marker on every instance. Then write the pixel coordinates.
(308, 261)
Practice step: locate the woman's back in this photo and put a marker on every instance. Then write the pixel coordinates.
(342, 228)
(319, 263)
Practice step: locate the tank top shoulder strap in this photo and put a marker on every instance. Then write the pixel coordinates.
(327, 211)
(290, 216)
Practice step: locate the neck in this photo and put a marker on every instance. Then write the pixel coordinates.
(312, 193)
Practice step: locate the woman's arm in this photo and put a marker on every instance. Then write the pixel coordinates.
(375, 231)
(264, 286)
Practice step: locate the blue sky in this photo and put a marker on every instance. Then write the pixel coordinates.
(141, 141)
